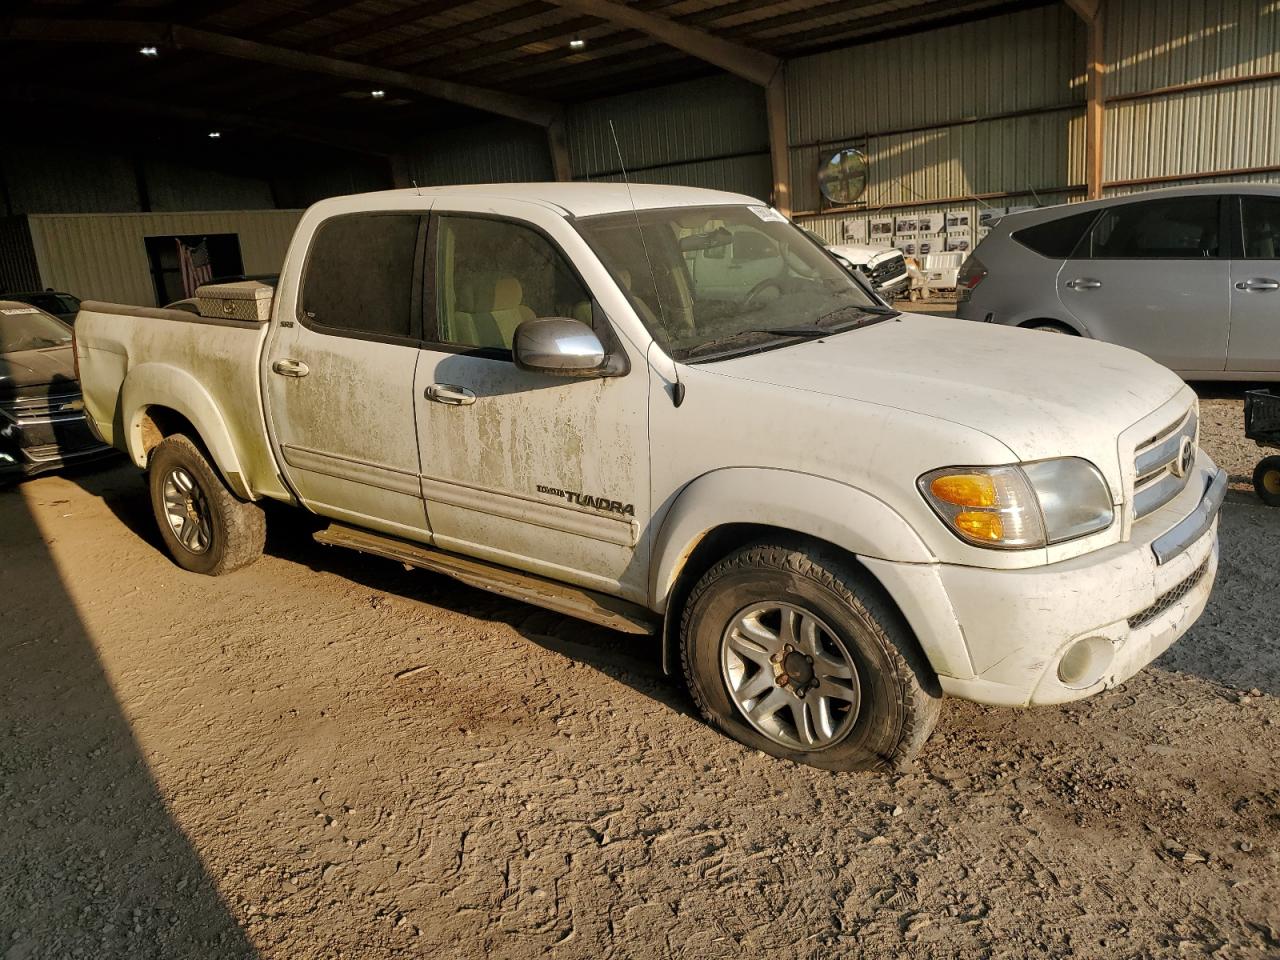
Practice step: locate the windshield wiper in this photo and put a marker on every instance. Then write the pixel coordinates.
(873, 309)
(800, 332)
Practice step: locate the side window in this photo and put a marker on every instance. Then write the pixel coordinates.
(492, 275)
(1056, 239)
(1186, 228)
(359, 274)
(1260, 218)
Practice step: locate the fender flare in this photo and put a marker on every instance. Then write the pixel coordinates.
(799, 502)
(164, 385)
(826, 510)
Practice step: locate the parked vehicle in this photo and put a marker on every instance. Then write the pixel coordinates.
(832, 512)
(884, 267)
(61, 305)
(42, 422)
(1262, 425)
(1189, 276)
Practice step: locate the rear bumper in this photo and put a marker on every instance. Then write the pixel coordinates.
(1121, 604)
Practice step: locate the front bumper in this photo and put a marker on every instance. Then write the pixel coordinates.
(1017, 626)
(895, 288)
(30, 447)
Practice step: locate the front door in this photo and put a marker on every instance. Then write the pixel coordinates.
(1255, 288)
(340, 374)
(542, 473)
(1153, 275)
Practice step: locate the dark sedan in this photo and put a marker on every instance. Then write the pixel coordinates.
(62, 305)
(42, 421)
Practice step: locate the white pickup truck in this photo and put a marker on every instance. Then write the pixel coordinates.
(833, 513)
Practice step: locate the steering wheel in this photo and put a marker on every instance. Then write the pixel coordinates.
(763, 294)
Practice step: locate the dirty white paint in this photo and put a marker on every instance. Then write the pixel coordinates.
(605, 483)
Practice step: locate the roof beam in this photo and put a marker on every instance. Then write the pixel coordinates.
(527, 109)
(743, 61)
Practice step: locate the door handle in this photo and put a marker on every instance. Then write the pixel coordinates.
(449, 393)
(1084, 283)
(288, 367)
(1259, 283)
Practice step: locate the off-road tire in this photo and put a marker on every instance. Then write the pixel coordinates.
(1266, 481)
(901, 698)
(238, 529)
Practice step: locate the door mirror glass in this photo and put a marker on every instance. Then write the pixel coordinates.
(559, 346)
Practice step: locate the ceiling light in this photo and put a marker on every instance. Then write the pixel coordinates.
(215, 134)
(577, 43)
(149, 51)
(377, 94)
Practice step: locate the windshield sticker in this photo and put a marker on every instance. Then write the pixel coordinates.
(14, 313)
(768, 214)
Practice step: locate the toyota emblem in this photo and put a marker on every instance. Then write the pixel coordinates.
(1186, 458)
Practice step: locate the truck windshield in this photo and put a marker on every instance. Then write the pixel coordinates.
(28, 328)
(712, 282)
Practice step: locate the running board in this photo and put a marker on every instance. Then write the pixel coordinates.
(572, 601)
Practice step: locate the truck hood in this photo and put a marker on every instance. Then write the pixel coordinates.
(1039, 394)
(34, 368)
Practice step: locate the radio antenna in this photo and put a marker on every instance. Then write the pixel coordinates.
(677, 388)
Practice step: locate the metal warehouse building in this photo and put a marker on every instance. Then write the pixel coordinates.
(120, 108)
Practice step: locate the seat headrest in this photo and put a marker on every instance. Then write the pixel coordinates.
(507, 294)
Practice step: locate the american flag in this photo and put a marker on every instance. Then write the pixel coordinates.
(193, 260)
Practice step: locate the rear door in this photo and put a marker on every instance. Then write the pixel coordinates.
(340, 373)
(1153, 275)
(1255, 287)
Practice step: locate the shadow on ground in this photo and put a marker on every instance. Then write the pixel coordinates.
(633, 660)
(93, 865)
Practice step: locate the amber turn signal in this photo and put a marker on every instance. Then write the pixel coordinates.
(965, 489)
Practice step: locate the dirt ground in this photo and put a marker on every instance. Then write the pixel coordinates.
(326, 756)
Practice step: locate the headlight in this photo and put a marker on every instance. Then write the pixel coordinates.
(1021, 505)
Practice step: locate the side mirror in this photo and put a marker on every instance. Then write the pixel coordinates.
(562, 348)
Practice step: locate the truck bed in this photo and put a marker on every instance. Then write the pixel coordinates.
(135, 359)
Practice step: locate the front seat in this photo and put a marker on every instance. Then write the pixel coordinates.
(488, 313)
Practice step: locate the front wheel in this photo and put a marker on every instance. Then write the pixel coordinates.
(204, 526)
(1266, 481)
(799, 654)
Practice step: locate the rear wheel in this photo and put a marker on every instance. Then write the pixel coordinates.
(799, 654)
(204, 526)
(1266, 481)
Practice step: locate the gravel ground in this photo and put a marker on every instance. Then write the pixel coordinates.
(325, 756)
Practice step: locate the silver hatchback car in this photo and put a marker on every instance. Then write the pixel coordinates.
(1189, 276)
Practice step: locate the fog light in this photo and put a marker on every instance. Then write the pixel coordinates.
(1085, 662)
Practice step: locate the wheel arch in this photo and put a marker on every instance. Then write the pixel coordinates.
(1064, 325)
(158, 400)
(705, 524)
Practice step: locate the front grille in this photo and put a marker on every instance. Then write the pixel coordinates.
(1159, 470)
(44, 407)
(1169, 598)
(888, 269)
